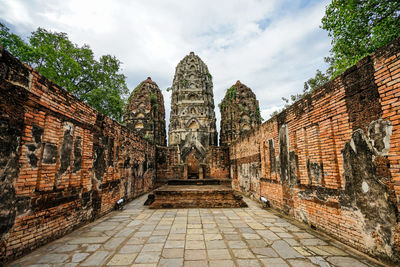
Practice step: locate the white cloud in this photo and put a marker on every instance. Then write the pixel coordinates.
(271, 46)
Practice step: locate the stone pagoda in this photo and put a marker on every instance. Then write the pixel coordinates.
(192, 120)
(240, 113)
(145, 113)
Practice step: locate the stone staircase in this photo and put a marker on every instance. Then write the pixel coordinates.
(207, 193)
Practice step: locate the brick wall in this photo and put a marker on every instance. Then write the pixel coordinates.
(218, 162)
(332, 159)
(168, 166)
(62, 163)
(171, 167)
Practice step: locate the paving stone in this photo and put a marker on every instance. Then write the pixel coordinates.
(137, 240)
(301, 263)
(256, 243)
(232, 237)
(222, 263)
(284, 250)
(89, 240)
(195, 254)
(160, 232)
(264, 252)
(195, 244)
(274, 262)
(122, 259)
(243, 253)
(333, 250)
(172, 253)
(148, 257)
(176, 237)
(171, 262)
(96, 259)
(125, 232)
(218, 254)
(142, 234)
(248, 263)
(251, 236)
(247, 230)
(194, 237)
(215, 244)
(113, 243)
(211, 231)
(345, 261)
(66, 248)
(312, 242)
(267, 234)
(153, 247)
(157, 239)
(175, 244)
(78, 257)
(302, 251)
(196, 264)
(319, 261)
(303, 235)
(91, 248)
(318, 251)
(53, 258)
(237, 244)
(284, 235)
(209, 237)
(130, 248)
(292, 242)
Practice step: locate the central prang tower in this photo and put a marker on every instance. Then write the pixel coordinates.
(192, 119)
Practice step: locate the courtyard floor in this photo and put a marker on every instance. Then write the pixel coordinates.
(138, 236)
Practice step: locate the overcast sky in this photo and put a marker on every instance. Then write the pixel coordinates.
(272, 46)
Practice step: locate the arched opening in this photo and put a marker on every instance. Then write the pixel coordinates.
(139, 125)
(192, 111)
(193, 166)
(245, 127)
(140, 115)
(193, 126)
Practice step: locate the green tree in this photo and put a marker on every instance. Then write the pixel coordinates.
(98, 83)
(358, 28)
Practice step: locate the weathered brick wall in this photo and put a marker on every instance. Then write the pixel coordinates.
(62, 163)
(218, 162)
(168, 166)
(333, 159)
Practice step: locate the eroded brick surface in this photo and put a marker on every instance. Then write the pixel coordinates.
(332, 160)
(63, 164)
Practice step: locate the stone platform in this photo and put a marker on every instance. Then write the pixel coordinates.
(195, 194)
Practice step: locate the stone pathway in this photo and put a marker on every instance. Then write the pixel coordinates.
(138, 236)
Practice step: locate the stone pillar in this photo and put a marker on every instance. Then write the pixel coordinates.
(185, 171)
(201, 175)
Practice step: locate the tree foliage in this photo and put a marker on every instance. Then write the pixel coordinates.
(98, 83)
(358, 28)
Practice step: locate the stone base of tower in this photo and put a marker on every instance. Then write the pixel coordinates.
(190, 194)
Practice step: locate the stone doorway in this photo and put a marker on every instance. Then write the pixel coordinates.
(193, 166)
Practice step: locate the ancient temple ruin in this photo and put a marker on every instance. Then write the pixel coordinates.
(240, 113)
(192, 120)
(145, 113)
(330, 161)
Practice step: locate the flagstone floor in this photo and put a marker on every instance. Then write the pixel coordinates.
(138, 236)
